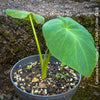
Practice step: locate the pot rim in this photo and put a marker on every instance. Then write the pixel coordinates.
(35, 94)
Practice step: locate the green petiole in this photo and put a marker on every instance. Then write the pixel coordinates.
(38, 46)
(44, 63)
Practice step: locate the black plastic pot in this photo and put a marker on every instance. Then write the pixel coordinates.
(27, 96)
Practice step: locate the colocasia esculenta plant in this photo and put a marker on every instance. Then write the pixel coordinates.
(66, 40)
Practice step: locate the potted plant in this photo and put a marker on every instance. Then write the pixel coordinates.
(73, 50)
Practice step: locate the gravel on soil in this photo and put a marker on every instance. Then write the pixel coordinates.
(59, 79)
(50, 7)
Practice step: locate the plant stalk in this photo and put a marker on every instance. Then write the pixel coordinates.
(37, 42)
(45, 65)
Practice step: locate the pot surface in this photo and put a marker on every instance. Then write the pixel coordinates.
(28, 96)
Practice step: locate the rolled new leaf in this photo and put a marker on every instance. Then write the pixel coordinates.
(25, 15)
(71, 43)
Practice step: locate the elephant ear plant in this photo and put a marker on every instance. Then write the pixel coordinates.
(66, 40)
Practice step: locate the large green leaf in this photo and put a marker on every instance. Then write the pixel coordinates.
(71, 43)
(25, 15)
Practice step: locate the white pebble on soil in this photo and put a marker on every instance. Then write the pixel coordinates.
(21, 72)
(45, 91)
(29, 85)
(41, 89)
(71, 79)
(17, 76)
(33, 64)
(74, 74)
(71, 71)
(16, 83)
(75, 78)
(32, 92)
(56, 62)
(36, 84)
(67, 84)
(23, 88)
(49, 83)
(20, 66)
(62, 87)
(36, 91)
(23, 80)
(54, 85)
(59, 68)
(66, 67)
(39, 63)
(48, 62)
(19, 79)
(72, 84)
(21, 83)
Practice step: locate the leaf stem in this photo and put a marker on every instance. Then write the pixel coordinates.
(38, 46)
(45, 65)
